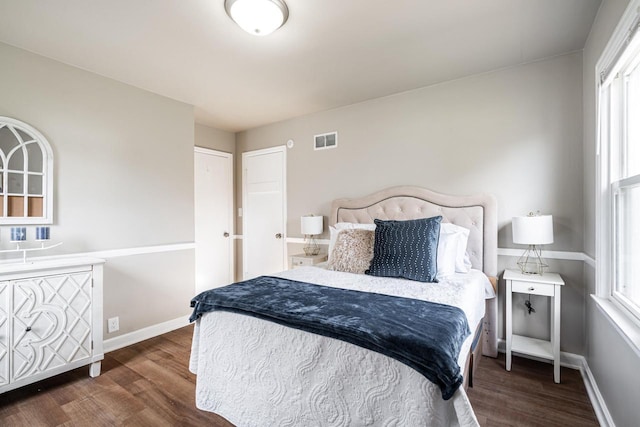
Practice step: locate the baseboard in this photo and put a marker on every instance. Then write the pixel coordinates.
(576, 361)
(144, 334)
(597, 401)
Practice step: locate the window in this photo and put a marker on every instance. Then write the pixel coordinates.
(619, 168)
(625, 187)
(26, 167)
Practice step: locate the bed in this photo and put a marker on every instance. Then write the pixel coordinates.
(255, 373)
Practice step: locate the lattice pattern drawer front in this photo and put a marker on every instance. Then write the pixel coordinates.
(4, 333)
(51, 322)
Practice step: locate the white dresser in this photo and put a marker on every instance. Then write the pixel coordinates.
(50, 319)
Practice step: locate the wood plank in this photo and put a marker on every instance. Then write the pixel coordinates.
(176, 411)
(118, 403)
(147, 418)
(41, 409)
(119, 373)
(87, 412)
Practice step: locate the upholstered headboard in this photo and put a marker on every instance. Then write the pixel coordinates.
(477, 213)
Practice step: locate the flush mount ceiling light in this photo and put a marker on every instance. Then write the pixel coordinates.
(257, 17)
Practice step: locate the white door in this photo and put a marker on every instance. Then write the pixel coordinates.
(213, 218)
(264, 211)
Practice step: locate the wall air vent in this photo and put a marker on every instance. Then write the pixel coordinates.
(325, 141)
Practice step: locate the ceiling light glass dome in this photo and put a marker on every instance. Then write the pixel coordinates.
(257, 17)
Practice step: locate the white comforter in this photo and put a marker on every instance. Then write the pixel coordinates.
(257, 373)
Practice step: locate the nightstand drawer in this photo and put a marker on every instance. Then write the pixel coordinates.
(298, 261)
(532, 288)
(302, 260)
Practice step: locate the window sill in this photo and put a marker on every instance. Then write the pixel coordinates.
(628, 327)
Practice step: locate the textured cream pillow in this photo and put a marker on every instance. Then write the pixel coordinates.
(334, 230)
(353, 251)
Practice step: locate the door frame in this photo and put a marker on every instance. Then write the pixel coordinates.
(230, 213)
(278, 149)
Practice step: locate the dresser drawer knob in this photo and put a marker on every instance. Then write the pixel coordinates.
(532, 288)
(28, 329)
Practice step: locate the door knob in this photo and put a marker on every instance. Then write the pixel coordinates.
(279, 236)
(28, 329)
(225, 234)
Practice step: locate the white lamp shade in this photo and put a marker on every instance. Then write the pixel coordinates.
(532, 230)
(258, 17)
(311, 225)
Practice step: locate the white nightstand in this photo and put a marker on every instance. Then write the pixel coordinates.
(548, 284)
(302, 260)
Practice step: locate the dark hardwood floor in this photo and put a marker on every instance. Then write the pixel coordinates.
(149, 384)
(527, 396)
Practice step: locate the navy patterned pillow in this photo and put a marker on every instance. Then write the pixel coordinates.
(406, 249)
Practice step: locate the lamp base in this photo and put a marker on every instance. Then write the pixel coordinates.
(311, 248)
(531, 261)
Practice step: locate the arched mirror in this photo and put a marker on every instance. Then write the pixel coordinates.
(26, 174)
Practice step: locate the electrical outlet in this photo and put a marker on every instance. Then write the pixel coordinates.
(113, 324)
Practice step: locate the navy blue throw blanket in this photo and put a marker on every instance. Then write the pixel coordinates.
(423, 335)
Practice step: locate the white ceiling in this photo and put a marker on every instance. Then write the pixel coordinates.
(329, 54)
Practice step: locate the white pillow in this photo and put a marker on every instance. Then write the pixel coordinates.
(466, 263)
(452, 254)
(446, 256)
(334, 230)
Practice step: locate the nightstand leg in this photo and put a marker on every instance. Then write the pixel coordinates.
(509, 329)
(555, 322)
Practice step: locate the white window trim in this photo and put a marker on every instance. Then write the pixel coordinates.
(622, 318)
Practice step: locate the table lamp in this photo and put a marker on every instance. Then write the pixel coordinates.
(311, 226)
(532, 230)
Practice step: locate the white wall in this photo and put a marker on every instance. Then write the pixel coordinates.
(612, 361)
(123, 179)
(208, 137)
(513, 132)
